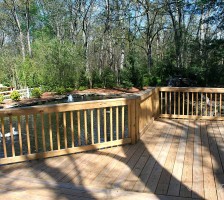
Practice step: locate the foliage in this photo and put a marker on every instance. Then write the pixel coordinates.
(133, 43)
(60, 90)
(1, 98)
(15, 96)
(36, 92)
(81, 88)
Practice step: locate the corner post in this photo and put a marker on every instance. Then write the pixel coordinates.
(133, 120)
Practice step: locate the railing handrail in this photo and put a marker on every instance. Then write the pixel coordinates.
(26, 91)
(191, 89)
(141, 109)
(192, 103)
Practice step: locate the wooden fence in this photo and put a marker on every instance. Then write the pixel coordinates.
(22, 92)
(53, 130)
(191, 103)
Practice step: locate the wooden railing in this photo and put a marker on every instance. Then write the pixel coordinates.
(22, 92)
(53, 130)
(191, 103)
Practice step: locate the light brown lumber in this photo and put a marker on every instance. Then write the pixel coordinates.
(153, 180)
(216, 162)
(164, 180)
(187, 176)
(209, 181)
(160, 135)
(175, 181)
(197, 186)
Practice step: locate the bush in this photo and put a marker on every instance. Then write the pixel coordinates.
(36, 92)
(81, 88)
(1, 98)
(68, 89)
(61, 90)
(15, 96)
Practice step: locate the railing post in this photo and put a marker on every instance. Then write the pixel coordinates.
(133, 120)
(156, 107)
(137, 109)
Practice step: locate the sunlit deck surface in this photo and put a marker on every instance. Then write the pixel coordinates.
(175, 159)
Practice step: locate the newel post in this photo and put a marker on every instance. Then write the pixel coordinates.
(156, 110)
(133, 116)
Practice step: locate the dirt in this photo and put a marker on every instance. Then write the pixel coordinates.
(50, 96)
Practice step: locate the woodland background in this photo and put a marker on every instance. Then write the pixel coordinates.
(110, 43)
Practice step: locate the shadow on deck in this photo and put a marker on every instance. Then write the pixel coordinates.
(175, 159)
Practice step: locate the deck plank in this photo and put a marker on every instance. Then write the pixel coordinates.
(164, 181)
(187, 176)
(219, 177)
(197, 185)
(133, 177)
(175, 159)
(175, 182)
(209, 181)
(146, 171)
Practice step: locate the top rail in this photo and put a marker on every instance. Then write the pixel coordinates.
(191, 89)
(52, 130)
(192, 103)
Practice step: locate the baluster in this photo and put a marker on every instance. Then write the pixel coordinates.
(206, 103)
(20, 136)
(161, 102)
(192, 105)
(170, 112)
(12, 136)
(43, 132)
(79, 129)
(65, 130)
(98, 124)
(183, 102)
(211, 104)
(3, 137)
(72, 128)
(105, 124)
(201, 104)
(122, 119)
(85, 127)
(35, 132)
(197, 104)
(58, 132)
(111, 124)
(215, 103)
(178, 103)
(92, 130)
(117, 123)
(28, 134)
(188, 103)
(174, 105)
(50, 131)
(166, 103)
(220, 96)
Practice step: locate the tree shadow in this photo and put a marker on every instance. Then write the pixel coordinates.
(144, 161)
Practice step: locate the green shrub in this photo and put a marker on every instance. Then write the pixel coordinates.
(126, 84)
(1, 98)
(68, 89)
(15, 96)
(60, 90)
(81, 88)
(36, 92)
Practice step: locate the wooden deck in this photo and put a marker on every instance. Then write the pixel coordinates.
(175, 159)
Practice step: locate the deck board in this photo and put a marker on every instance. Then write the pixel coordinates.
(175, 159)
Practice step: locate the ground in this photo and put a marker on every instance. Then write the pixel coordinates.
(49, 96)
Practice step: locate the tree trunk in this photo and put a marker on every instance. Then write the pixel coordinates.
(20, 31)
(28, 27)
(149, 56)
